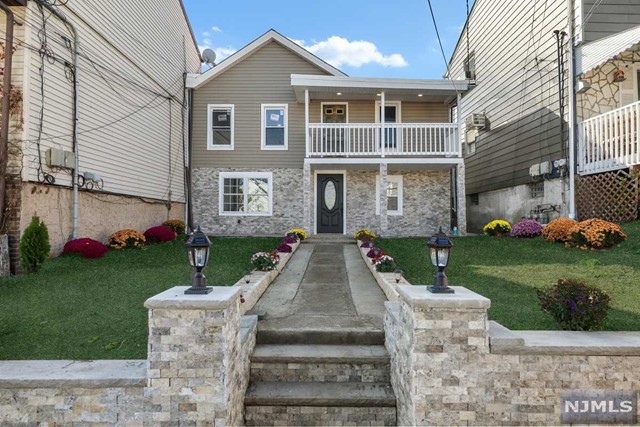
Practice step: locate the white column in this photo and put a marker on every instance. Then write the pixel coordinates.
(306, 121)
(383, 134)
(384, 223)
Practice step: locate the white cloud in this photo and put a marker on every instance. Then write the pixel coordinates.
(339, 51)
(221, 52)
(216, 29)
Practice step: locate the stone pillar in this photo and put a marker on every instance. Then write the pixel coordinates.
(193, 347)
(433, 341)
(462, 200)
(306, 197)
(384, 223)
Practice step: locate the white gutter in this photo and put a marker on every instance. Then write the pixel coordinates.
(572, 112)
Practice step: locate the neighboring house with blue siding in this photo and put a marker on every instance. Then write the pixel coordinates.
(282, 139)
(517, 126)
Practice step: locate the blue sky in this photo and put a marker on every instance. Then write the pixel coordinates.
(372, 38)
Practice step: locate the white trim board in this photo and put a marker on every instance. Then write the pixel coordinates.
(315, 197)
(197, 80)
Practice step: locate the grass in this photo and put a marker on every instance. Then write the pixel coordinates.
(76, 308)
(508, 271)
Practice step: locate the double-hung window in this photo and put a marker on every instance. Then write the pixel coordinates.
(394, 194)
(274, 127)
(220, 126)
(246, 193)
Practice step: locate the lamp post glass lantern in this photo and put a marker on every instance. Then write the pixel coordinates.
(398, 273)
(198, 245)
(439, 249)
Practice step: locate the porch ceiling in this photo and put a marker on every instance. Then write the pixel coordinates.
(594, 54)
(363, 88)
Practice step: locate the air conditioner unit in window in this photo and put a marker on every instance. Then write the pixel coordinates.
(476, 121)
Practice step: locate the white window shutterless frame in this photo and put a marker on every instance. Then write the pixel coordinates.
(220, 126)
(275, 127)
(245, 194)
(394, 195)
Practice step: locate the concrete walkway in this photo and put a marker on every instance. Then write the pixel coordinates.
(324, 287)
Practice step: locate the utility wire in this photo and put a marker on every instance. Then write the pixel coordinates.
(444, 57)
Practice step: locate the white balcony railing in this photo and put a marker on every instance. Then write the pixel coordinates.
(610, 141)
(375, 139)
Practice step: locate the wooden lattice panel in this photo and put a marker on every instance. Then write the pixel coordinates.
(613, 196)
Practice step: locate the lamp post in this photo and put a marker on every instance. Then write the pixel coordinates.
(198, 245)
(439, 249)
(398, 273)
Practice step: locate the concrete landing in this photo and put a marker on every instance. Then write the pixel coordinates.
(326, 294)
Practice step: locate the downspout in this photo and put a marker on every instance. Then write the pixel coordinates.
(572, 111)
(76, 71)
(6, 96)
(190, 160)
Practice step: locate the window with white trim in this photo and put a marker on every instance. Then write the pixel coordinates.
(274, 126)
(394, 194)
(220, 118)
(246, 193)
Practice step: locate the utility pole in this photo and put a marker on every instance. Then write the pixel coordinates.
(4, 123)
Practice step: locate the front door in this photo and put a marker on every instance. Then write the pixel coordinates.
(391, 115)
(329, 203)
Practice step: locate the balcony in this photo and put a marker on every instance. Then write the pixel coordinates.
(610, 141)
(380, 140)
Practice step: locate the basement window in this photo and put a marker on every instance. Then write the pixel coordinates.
(474, 199)
(536, 190)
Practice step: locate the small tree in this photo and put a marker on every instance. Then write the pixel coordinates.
(34, 246)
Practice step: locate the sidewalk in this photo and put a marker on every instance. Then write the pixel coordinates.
(324, 287)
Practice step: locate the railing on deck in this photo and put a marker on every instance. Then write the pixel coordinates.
(610, 141)
(376, 139)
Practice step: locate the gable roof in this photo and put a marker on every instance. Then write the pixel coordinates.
(195, 82)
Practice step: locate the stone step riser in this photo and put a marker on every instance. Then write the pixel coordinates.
(323, 372)
(320, 337)
(319, 415)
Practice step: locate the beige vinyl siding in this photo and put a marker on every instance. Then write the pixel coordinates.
(364, 111)
(133, 58)
(262, 78)
(610, 17)
(517, 89)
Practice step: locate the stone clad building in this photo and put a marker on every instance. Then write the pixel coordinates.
(280, 138)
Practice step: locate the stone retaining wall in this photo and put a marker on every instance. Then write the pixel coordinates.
(451, 366)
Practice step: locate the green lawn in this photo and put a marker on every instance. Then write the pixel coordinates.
(508, 271)
(76, 308)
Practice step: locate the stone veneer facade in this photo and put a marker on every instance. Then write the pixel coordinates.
(444, 371)
(287, 204)
(426, 203)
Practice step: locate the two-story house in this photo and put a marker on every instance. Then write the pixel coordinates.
(282, 139)
(541, 72)
(96, 139)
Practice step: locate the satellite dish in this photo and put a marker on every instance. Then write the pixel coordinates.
(209, 57)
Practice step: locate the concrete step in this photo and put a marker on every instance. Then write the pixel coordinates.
(323, 363)
(330, 239)
(320, 394)
(354, 336)
(319, 416)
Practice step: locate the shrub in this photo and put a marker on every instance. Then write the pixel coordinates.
(176, 225)
(284, 248)
(559, 230)
(34, 245)
(384, 264)
(265, 261)
(367, 244)
(365, 235)
(527, 228)
(597, 234)
(497, 227)
(574, 305)
(299, 233)
(159, 234)
(87, 248)
(126, 239)
(290, 240)
(375, 252)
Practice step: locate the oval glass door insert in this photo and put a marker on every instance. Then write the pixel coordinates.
(330, 195)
